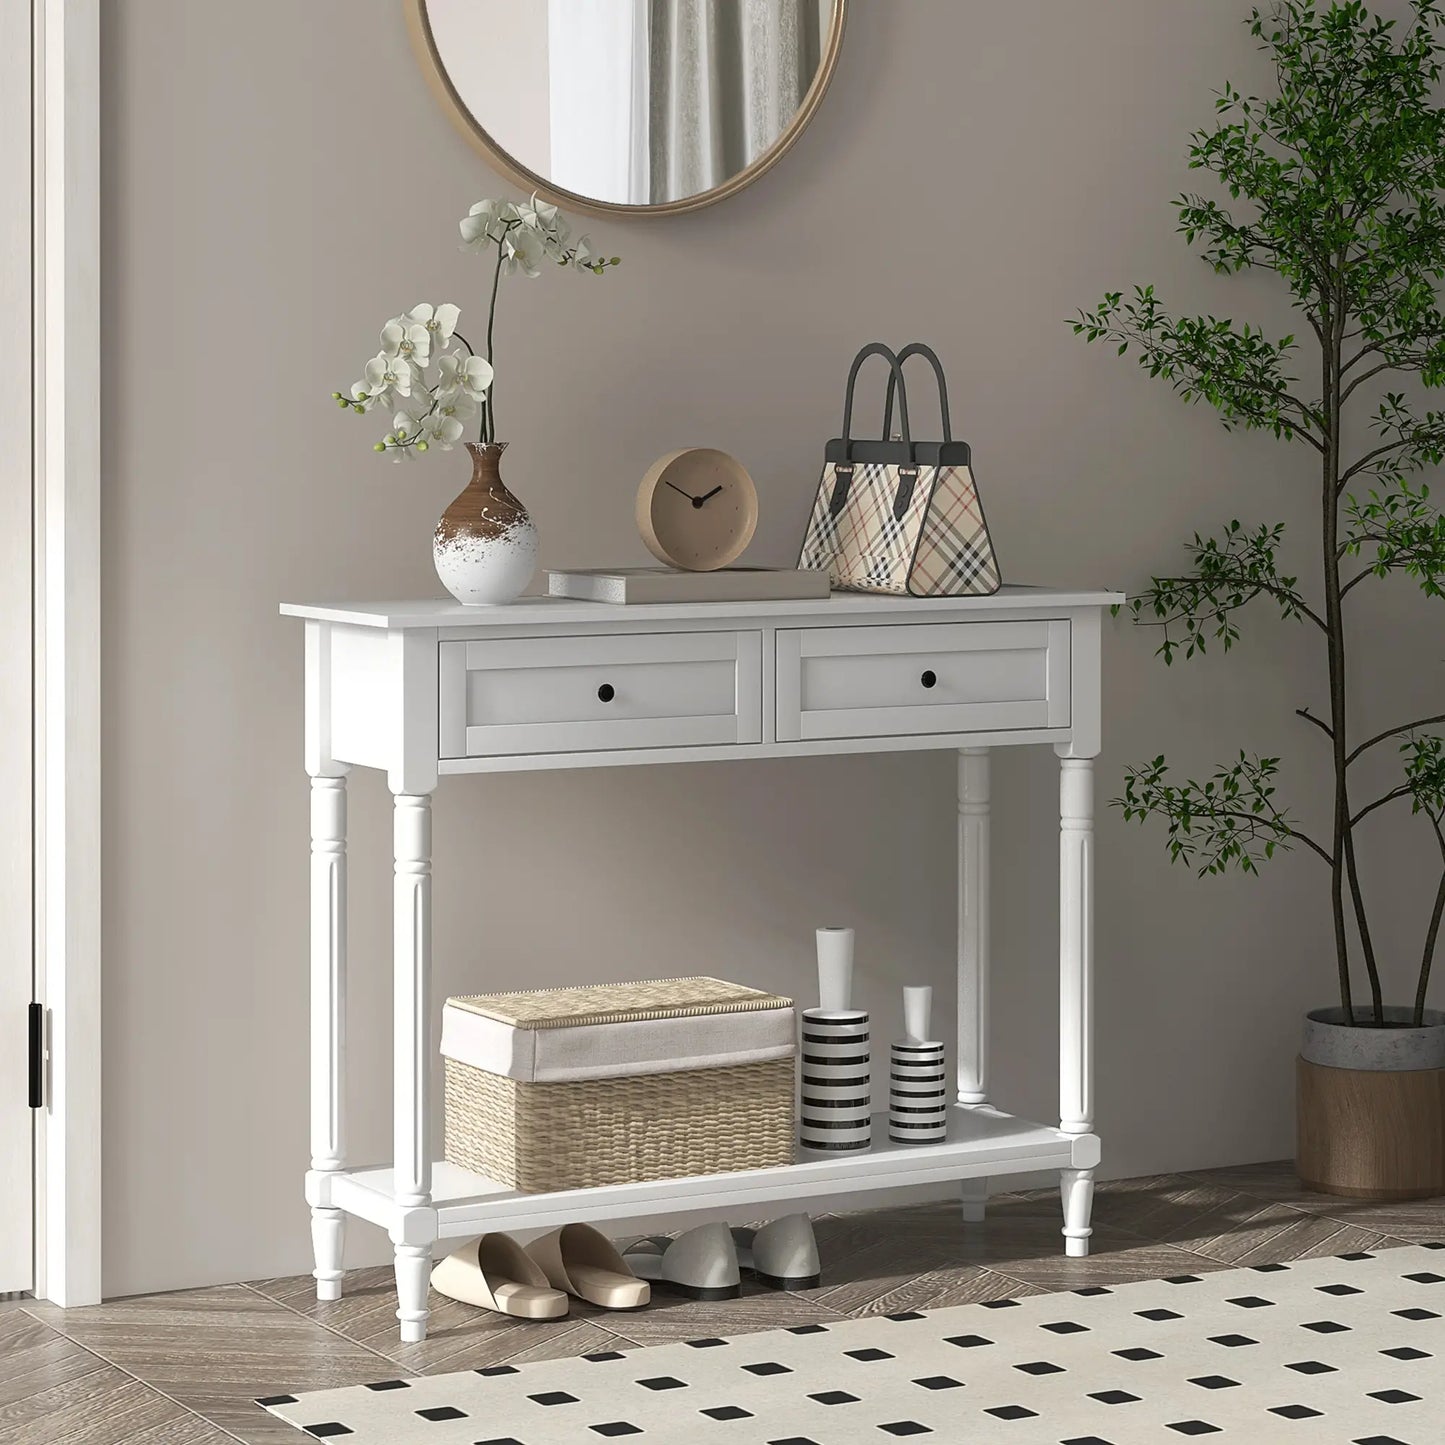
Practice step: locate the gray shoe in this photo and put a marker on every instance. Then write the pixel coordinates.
(783, 1254)
(703, 1263)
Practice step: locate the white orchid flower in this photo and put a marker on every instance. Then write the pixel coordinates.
(538, 216)
(538, 213)
(459, 404)
(523, 249)
(382, 376)
(448, 381)
(485, 224)
(441, 430)
(407, 341)
(439, 321)
(468, 375)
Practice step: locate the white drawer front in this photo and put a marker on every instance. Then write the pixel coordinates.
(941, 677)
(578, 694)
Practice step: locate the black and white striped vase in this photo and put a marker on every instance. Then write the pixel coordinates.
(917, 1094)
(836, 1113)
(917, 1078)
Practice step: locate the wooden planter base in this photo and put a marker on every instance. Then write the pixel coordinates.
(1368, 1134)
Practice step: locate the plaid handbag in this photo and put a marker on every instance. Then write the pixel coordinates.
(900, 516)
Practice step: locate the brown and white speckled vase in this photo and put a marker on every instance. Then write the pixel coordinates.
(485, 546)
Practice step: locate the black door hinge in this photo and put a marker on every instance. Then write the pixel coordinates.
(37, 1056)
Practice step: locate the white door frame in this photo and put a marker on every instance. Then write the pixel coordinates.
(68, 851)
(17, 640)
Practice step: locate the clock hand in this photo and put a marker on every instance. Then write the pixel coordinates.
(698, 501)
(680, 491)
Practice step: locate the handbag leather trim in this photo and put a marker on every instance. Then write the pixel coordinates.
(903, 497)
(880, 453)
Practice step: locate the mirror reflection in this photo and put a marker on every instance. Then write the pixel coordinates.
(633, 102)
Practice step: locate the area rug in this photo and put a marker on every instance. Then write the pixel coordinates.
(1335, 1351)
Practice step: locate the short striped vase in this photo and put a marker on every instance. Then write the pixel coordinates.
(837, 1096)
(917, 1094)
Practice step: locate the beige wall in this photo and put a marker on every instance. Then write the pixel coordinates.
(278, 180)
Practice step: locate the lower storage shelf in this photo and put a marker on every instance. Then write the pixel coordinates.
(982, 1141)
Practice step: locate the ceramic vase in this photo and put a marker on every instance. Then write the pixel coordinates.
(837, 1083)
(485, 545)
(835, 968)
(917, 1078)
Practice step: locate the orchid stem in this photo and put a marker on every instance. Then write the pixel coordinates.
(489, 415)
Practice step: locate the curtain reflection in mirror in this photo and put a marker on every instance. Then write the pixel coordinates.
(658, 100)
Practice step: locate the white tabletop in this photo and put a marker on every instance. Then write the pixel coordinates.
(535, 611)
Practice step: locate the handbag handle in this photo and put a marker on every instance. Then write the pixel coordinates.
(917, 348)
(877, 348)
(908, 472)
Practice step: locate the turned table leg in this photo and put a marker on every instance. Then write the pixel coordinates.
(411, 963)
(328, 1025)
(973, 945)
(1076, 985)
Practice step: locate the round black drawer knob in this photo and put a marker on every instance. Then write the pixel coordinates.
(929, 679)
(606, 692)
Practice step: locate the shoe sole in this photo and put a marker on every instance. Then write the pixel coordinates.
(709, 1295)
(810, 1281)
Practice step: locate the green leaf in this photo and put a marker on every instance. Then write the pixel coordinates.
(1228, 820)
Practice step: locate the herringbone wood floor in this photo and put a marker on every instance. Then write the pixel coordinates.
(183, 1369)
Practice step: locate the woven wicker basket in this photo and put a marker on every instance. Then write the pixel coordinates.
(588, 1132)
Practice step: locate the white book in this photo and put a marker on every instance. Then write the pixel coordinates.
(661, 584)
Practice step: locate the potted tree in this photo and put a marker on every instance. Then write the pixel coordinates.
(1333, 183)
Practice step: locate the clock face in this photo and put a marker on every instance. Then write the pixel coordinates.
(696, 509)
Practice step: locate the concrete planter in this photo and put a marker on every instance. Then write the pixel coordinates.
(1371, 1106)
(1330, 1041)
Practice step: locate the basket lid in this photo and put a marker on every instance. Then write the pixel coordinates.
(658, 998)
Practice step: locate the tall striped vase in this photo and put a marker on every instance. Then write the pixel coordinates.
(837, 1085)
(836, 1113)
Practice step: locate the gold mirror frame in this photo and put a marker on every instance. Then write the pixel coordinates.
(418, 26)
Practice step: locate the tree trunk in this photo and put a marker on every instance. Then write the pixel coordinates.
(1334, 617)
(1431, 934)
(1330, 330)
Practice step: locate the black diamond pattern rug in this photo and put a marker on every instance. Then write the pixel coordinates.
(1335, 1351)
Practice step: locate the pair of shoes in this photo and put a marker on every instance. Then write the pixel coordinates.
(496, 1273)
(706, 1263)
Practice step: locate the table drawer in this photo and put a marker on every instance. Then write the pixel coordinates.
(580, 694)
(941, 677)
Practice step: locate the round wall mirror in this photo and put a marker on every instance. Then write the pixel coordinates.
(646, 106)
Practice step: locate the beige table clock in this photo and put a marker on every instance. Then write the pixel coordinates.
(697, 509)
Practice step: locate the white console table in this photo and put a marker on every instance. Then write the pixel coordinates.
(423, 689)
